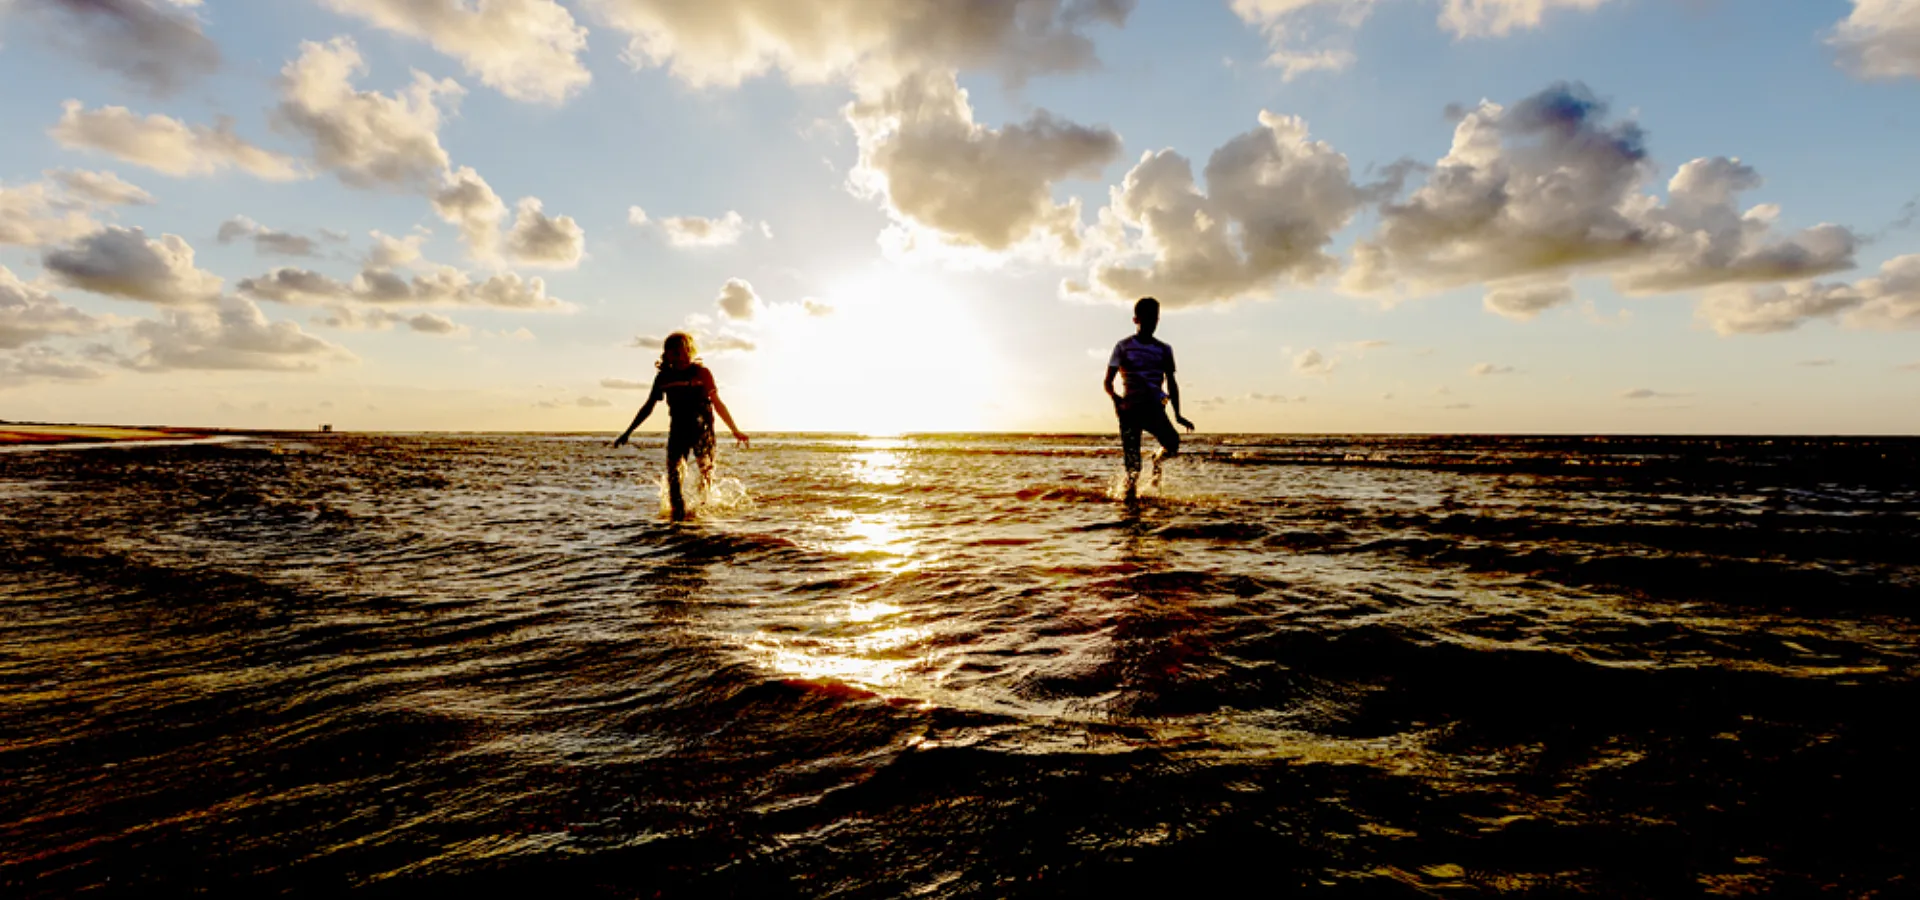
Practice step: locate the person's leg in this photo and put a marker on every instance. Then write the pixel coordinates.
(676, 455)
(704, 454)
(1168, 437)
(1130, 448)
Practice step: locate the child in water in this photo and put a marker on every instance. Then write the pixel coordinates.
(1145, 361)
(692, 399)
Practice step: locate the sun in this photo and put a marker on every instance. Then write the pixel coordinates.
(899, 352)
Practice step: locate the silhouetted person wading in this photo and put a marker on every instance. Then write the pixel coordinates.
(1145, 362)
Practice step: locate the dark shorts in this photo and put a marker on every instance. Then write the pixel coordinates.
(695, 438)
(1150, 417)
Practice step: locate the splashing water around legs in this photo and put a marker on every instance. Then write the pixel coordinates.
(690, 488)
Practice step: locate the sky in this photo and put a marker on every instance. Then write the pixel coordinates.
(1539, 216)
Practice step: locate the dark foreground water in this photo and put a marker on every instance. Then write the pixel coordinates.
(1364, 667)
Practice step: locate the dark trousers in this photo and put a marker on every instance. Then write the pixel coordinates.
(1149, 416)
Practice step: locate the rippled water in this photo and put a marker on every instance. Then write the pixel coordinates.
(955, 666)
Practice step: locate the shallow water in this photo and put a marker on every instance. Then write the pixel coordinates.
(957, 666)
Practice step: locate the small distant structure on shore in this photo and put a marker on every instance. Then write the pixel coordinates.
(326, 429)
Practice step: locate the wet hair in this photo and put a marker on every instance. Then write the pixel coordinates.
(1147, 308)
(677, 339)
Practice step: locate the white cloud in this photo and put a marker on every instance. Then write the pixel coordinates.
(390, 252)
(537, 240)
(526, 49)
(37, 364)
(1316, 35)
(467, 202)
(123, 262)
(1311, 362)
(234, 335)
(366, 138)
(695, 231)
(29, 315)
(1273, 201)
(938, 171)
(815, 307)
(737, 300)
(723, 42)
(1880, 39)
(442, 287)
(1548, 189)
(636, 216)
(266, 241)
(156, 46)
(376, 319)
(1887, 302)
(1523, 302)
(35, 215)
(167, 145)
(101, 188)
(705, 341)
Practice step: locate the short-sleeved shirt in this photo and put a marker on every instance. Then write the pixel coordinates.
(1144, 365)
(691, 397)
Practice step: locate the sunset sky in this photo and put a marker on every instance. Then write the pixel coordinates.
(887, 215)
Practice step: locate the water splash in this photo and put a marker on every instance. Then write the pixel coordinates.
(720, 495)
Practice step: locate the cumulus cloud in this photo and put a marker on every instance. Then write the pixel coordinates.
(378, 287)
(36, 214)
(366, 138)
(234, 335)
(1549, 188)
(390, 252)
(166, 144)
(1312, 362)
(467, 202)
(356, 319)
(266, 241)
(1880, 39)
(100, 188)
(636, 216)
(36, 364)
(526, 49)
(539, 240)
(696, 231)
(815, 307)
(1523, 302)
(1888, 301)
(1273, 201)
(29, 315)
(723, 42)
(156, 45)
(737, 300)
(124, 262)
(936, 169)
(1316, 35)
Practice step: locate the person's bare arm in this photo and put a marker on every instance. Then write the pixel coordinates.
(645, 411)
(727, 417)
(1108, 384)
(1173, 394)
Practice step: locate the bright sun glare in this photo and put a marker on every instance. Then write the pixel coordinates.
(900, 352)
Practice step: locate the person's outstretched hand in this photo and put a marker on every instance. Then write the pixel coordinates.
(620, 441)
(1184, 423)
(741, 438)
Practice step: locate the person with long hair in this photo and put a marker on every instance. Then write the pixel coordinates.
(692, 399)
